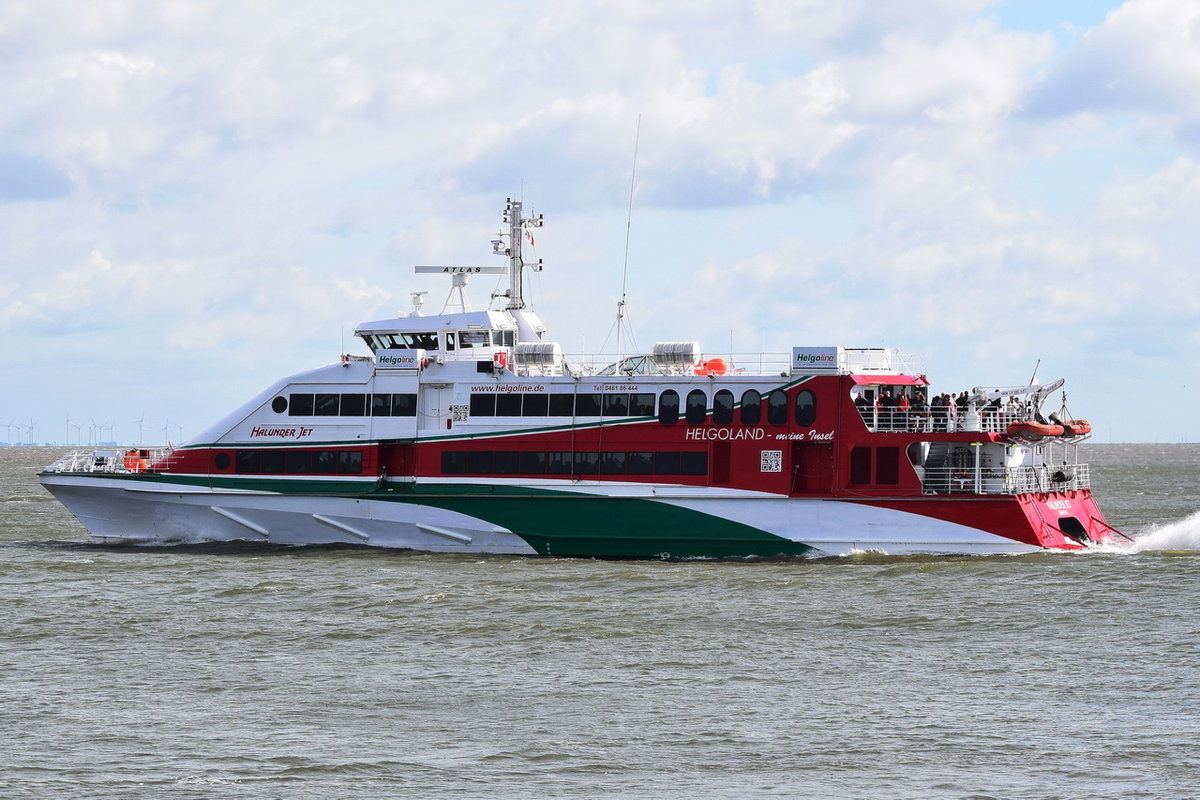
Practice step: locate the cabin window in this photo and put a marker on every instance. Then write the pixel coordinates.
(640, 463)
(612, 463)
(533, 463)
(860, 465)
(587, 463)
(887, 465)
(806, 408)
(483, 405)
(381, 405)
(668, 407)
(326, 405)
(354, 405)
(587, 405)
(562, 405)
(222, 461)
(413, 341)
(479, 462)
(693, 464)
(404, 405)
(777, 407)
(454, 463)
(616, 405)
(504, 338)
(505, 463)
(697, 407)
(301, 405)
(508, 405)
(350, 461)
(641, 404)
(558, 463)
(666, 463)
(467, 339)
(723, 407)
(450, 341)
(751, 407)
(535, 405)
(279, 405)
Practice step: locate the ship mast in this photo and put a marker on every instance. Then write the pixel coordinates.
(518, 225)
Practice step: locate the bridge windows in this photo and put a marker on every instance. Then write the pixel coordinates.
(751, 411)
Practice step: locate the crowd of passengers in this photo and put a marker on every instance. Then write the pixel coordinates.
(903, 408)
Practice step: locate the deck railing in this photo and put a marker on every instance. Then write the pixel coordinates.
(883, 420)
(109, 460)
(1015, 480)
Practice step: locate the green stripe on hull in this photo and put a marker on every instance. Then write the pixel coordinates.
(615, 527)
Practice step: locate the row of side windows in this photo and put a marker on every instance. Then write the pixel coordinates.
(297, 462)
(505, 462)
(346, 405)
(696, 407)
(637, 404)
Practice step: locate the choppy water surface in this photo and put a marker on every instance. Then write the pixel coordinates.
(247, 672)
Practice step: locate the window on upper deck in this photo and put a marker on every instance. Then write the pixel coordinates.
(473, 339)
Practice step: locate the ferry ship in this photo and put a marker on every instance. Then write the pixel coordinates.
(469, 431)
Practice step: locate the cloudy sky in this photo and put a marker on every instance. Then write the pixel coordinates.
(198, 198)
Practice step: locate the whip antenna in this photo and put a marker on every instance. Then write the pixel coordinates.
(628, 227)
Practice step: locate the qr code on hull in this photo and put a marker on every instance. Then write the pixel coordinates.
(772, 461)
(460, 413)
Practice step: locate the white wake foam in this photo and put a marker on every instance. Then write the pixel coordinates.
(1182, 535)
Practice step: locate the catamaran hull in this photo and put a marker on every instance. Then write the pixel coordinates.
(589, 521)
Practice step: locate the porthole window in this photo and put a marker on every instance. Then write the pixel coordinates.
(806, 408)
(279, 404)
(697, 407)
(222, 461)
(668, 407)
(723, 407)
(751, 407)
(777, 407)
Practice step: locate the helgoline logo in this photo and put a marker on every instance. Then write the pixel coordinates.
(814, 358)
(397, 361)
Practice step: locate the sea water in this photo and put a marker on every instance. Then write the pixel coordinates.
(261, 672)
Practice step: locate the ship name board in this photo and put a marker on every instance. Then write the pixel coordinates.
(724, 434)
(288, 433)
(815, 358)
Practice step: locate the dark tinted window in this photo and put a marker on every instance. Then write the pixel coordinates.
(454, 463)
(641, 404)
(777, 407)
(350, 461)
(697, 407)
(751, 407)
(324, 461)
(641, 463)
(586, 463)
(668, 407)
(533, 463)
(558, 463)
(279, 404)
(354, 405)
(222, 461)
(506, 463)
(612, 463)
(404, 405)
(587, 405)
(381, 405)
(616, 405)
(479, 462)
(723, 407)
(562, 405)
(327, 405)
(483, 405)
(508, 405)
(694, 464)
(806, 408)
(535, 405)
(301, 405)
(297, 461)
(860, 465)
(666, 463)
(887, 465)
